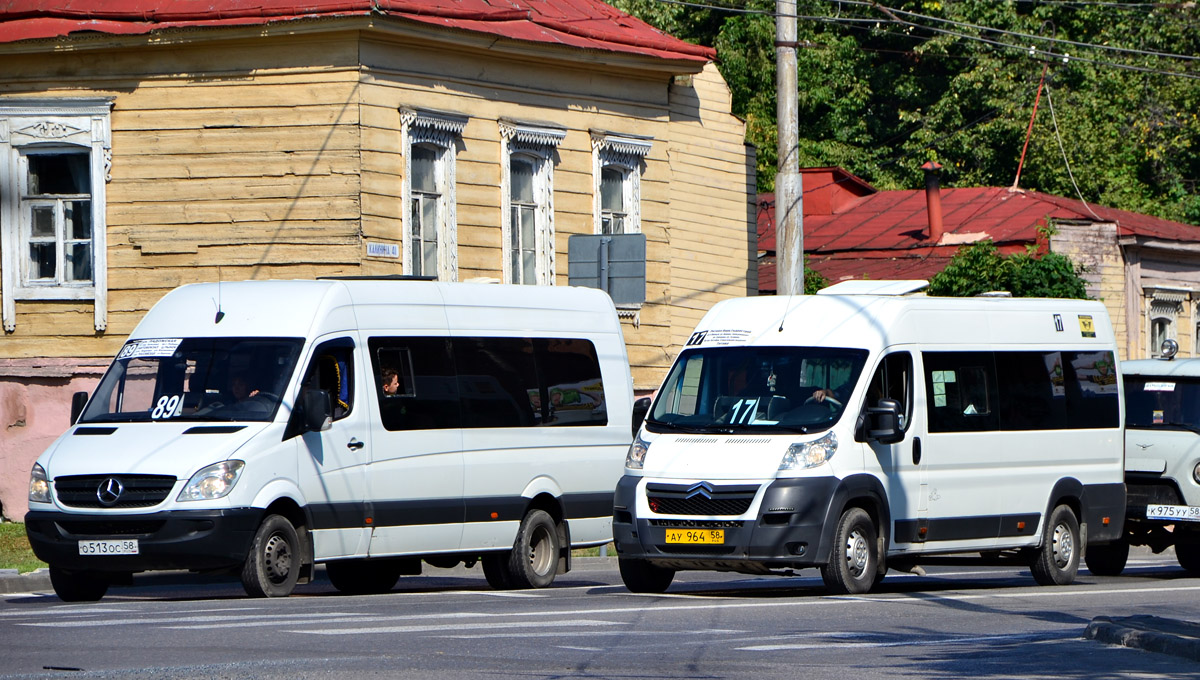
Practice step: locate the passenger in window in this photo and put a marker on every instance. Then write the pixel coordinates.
(391, 382)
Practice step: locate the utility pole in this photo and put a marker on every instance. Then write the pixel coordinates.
(789, 195)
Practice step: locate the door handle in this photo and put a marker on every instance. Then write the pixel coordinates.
(916, 450)
(354, 444)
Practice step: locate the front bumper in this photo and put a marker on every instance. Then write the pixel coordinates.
(182, 539)
(788, 531)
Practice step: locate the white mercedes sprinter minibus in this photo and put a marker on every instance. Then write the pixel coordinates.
(858, 430)
(370, 424)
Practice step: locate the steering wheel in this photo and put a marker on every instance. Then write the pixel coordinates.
(833, 402)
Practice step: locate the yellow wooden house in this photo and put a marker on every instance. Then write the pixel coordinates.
(148, 144)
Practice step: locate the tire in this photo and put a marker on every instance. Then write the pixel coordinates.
(640, 576)
(363, 577)
(77, 586)
(533, 561)
(273, 565)
(854, 561)
(1107, 559)
(495, 570)
(1187, 551)
(1057, 561)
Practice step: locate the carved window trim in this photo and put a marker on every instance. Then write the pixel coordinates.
(41, 125)
(626, 154)
(442, 131)
(538, 142)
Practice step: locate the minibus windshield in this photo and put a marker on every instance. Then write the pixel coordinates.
(1162, 402)
(758, 389)
(194, 379)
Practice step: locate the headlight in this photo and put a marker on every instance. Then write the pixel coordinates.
(39, 486)
(809, 454)
(637, 453)
(214, 481)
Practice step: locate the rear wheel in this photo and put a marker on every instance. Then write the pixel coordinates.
(273, 565)
(78, 586)
(1108, 559)
(1057, 560)
(1187, 551)
(361, 577)
(533, 561)
(854, 562)
(640, 576)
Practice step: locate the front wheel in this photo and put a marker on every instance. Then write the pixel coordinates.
(1187, 551)
(854, 562)
(77, 586)
(1108, 559)
(640, 576)
(273, 565)
(533, 561)
(1057, 560)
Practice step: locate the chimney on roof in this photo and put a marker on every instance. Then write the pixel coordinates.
(933, 200)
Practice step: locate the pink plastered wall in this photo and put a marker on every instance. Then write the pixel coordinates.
(35, 408)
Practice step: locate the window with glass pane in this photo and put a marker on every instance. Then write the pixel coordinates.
(1159, 331)
(58, 208)
(612, 200)
(426, 199)
(523, 233)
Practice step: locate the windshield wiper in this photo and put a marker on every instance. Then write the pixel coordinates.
(675, 426)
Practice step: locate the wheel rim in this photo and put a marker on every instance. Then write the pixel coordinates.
(277, 559)
(541, 556)
(858, 553)
(1064, 545)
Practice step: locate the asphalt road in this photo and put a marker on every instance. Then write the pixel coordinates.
(956, 622)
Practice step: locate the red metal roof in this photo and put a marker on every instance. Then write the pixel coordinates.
(884, 235)
(587, 24)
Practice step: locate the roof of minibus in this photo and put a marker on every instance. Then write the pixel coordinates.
(874, 322)
(308, 308)
(1175, 368)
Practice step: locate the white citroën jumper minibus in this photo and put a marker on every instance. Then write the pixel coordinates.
(262, 427)
(868, 428)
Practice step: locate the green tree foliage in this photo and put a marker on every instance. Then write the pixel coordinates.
(980, 268)
(813, 281)
(881, 92)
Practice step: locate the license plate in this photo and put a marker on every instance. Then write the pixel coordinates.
(696, 536)
(126, 546)
(1189, 513)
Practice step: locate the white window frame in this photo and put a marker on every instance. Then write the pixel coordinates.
(442, 131)
(626, 153)
(540, 143)
(1163, 304)
(40, 126)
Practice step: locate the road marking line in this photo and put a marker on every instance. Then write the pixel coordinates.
(1016, 637)
(456, 626)
(183, 619)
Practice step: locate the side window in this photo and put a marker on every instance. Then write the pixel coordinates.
(332, 370)
(415, 380)
(570, 372)
(1091, 385)
(893, 380)
(498, 383)
(962, 391)
(1033, 395)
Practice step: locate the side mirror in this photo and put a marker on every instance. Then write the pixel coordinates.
(318, 410)
(883, 422)
(78, 401)
(640, 408)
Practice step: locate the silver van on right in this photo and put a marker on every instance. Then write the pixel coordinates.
(1162, 462)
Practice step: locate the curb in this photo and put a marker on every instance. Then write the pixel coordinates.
(13, 582)
(1150, 633)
